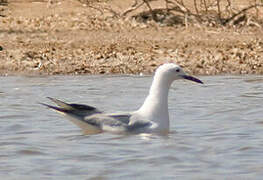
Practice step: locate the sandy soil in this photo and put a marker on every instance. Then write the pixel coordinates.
(68, 37)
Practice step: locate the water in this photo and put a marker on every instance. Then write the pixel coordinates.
(216, 130)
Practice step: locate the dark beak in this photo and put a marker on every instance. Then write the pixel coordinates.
(191, 78)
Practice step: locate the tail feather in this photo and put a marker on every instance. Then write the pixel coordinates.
(76, 114)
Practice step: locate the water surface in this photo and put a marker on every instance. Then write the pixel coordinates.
(216, 130)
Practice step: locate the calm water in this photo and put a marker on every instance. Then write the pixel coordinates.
(216, 130)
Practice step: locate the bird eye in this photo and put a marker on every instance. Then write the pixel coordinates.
(177, 70)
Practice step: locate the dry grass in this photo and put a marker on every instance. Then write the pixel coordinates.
(71, 38)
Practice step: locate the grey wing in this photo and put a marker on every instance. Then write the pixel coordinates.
(137, 124)
(109, 122)
(122, 117)
(127, 123)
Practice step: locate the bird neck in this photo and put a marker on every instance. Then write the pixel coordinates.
(155, 106)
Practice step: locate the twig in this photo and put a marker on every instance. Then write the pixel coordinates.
(150, 8)
(196, 9)
(101, 10)
(218, 10)
(132, 8)
(115, 14)
(135, 3)
(98, 9)
(206, 9)
(240, 12)
(182, 7)
(228, 7)
(256, 8)
(3, 2)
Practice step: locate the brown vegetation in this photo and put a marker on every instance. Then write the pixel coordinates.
(113, 36)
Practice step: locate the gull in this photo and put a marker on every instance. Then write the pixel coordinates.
(151, 117)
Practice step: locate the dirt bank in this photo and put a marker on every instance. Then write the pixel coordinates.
(67, 37)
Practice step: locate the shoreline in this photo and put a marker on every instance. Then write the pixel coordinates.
(79, 41)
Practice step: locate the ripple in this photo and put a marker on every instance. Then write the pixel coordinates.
(254, 94)
(255, 80)
(30, 152)
(245, 148)
(215, 130)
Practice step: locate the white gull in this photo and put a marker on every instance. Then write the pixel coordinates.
(151, 117)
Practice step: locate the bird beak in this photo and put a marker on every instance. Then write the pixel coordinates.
(191, 78)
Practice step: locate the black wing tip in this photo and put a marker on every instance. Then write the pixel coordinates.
(52, 99)
(53, 107)
(82, 107)
(69, 107)
(47, 105)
